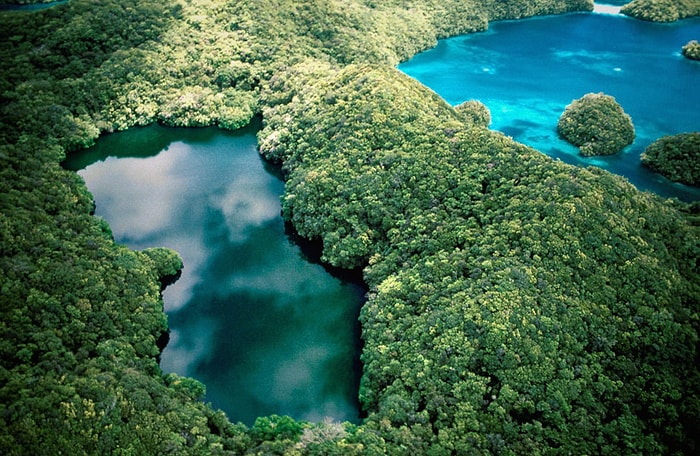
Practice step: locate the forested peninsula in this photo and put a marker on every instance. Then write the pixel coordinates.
(661, 10)
(516, 305)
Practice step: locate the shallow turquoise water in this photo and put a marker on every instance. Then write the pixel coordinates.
(528, 71)
(266, 330)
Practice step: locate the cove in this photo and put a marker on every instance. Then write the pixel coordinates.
(526, 72)
(264, 328)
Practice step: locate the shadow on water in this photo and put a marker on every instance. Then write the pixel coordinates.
(311, 251)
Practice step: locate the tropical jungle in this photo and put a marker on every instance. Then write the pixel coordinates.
(516, 304)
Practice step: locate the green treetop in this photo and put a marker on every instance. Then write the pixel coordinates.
(676, 157)
(692, 50)
(596, 124)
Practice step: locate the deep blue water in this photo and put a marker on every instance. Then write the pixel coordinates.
(528, 71)
(265, 329)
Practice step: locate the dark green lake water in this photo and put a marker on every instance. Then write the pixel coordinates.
(527, 72)
(265, 329)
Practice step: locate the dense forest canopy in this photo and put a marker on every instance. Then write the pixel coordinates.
(661, 10)
(517, 304)
(596, 124)
(691, 50)
(677, 157)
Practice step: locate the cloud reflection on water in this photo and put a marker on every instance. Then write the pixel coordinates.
(264, 329)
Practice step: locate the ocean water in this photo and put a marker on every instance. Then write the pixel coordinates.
(528, 71)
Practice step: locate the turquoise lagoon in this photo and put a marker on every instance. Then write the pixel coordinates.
(527, 72)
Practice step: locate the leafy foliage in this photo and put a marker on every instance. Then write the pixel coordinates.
(81, 321)
(661, 10)
(517, 304)
(596, 124)
(676, 157)
(692, 50)
(478, 113)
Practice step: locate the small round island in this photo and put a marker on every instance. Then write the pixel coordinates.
(597, 125)
(692, 50)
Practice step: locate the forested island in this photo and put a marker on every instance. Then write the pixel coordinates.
(661, 10)
(691, 50)
(676, 157)
(516, 305)
(597, 125)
